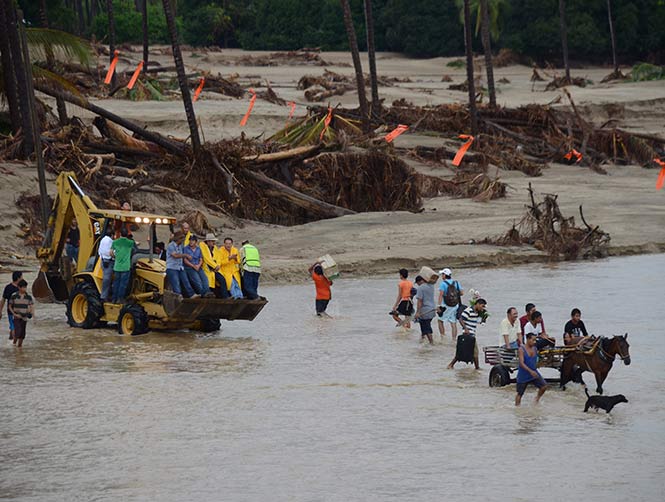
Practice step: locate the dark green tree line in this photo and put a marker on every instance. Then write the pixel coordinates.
(421, 28)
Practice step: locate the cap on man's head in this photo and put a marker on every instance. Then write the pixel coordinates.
(210, 237)
(446, 271)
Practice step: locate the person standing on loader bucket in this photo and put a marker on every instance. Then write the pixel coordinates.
(122, 251)
(251, 270)
(175, 270)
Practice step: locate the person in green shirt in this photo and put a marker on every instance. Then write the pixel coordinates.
(122, 251)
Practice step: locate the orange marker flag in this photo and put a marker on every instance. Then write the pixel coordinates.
(326, 123)
(114, 62)
(135, 77)
(249, 110)
(396, 132)
(661, 176)
(463, 149)
(198, 90)
(292, 104)
(573, 153)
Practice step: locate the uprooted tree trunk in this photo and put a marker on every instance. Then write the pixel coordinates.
(282, 191)
(167, 144)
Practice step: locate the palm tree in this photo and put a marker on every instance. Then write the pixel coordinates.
(371, 54)
(614, 44)
(109, 11)
(9, 78)
(468, 40)
(355, 55)
(50, 62)
(564, 37)
(144, 12)
(487, 49)
(182, 78)
(18, 69)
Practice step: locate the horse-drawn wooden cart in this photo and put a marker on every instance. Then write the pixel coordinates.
(504, 361)
(570, 360)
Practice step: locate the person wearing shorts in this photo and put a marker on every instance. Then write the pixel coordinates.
(425, 310)
(323, 293)
(21, 306)
(403, 304)
(527, 372)
(10, 289)
(447, 313)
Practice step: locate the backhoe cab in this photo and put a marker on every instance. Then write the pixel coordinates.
(150, 302)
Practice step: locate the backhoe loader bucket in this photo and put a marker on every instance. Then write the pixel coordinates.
(212, 308)
(50, 287)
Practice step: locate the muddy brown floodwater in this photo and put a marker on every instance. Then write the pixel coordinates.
(291, 407)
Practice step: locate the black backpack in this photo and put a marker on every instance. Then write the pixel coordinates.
(452, 296)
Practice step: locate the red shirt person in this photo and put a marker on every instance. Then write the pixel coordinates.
(530, 309)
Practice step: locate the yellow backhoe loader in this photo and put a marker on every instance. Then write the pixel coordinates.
(150, 303)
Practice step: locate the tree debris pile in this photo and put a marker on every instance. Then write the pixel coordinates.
(289, 58)
(528, 137)
(545, 228)
(29, 206)
(476, 186)
(320, 87)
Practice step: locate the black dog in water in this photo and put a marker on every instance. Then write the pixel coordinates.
(604, 402)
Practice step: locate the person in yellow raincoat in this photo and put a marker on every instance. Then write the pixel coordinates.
(212, 258)
(230, 267)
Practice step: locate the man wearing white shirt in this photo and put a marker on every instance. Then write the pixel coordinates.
(106, 258)
(511, 334)
(535, 326)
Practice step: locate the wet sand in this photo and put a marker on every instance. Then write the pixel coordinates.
(624, 203)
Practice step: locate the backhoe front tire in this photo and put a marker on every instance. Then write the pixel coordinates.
(132, 320)
(84, 307)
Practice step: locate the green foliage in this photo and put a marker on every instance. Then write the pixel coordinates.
(457, 63)
(206, 25)
(42, 41)
(128, 23)
(646, 71)
(494, 7)
(422, 28)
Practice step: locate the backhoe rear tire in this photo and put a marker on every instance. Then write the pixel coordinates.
(84, 307)
(132, 320)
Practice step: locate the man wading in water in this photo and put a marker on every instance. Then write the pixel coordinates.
(527, 372)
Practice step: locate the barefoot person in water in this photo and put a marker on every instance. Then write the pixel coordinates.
(403, 303)
(323, 293)
(527, 372)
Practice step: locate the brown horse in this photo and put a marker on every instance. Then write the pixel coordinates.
(599, 362)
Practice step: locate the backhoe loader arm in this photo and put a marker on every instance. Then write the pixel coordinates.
(70, 202)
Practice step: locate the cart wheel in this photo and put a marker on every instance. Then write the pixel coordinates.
(499, 376)
(132, 320)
